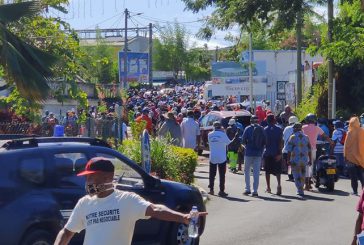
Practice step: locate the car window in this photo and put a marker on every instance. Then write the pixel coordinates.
(67, 165)
(32, 170)
(212, 119)
(125, 176)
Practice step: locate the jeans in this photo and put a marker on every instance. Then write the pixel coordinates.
(212, 174)
(256, 163)
(340, 163)
(355, 173)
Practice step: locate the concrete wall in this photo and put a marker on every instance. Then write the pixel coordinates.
(280, 64)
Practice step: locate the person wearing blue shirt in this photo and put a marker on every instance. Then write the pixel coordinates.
(273, 153)
(253, 154)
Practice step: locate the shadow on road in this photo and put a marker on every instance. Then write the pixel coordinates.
(235, 199)
(293, 197)
(333, 193)
(324, 199)
(202, 172)
(272, 199)
(201, 177)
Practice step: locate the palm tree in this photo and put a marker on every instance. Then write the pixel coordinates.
(25, 66)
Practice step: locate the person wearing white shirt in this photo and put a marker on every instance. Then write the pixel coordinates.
(190, 130)
(109, 215)
(287, 132)
(218, 142)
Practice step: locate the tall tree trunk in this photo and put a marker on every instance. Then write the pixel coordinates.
(299, 57)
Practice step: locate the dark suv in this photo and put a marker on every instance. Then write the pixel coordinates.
(39, 188)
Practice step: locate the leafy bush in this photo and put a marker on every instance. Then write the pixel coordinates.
(186, 162)
(168, 162)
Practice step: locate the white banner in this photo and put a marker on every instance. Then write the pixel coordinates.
(237, 89)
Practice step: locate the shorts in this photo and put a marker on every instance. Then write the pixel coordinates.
(271, 166)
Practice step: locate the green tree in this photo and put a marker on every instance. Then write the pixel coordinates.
(100, 61)
(198, 65)
(279, 14)
(347, 52)
(170, 52)
(45, 45)
(25, 65)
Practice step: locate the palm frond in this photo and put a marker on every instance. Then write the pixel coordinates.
(27, 66)
(15, 11)
(29, 82)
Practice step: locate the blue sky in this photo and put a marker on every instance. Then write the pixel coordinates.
(87, 14)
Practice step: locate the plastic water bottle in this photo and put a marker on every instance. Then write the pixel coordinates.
(193, 226)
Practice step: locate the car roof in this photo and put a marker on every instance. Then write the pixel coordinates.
(225, 114)
(37, 142)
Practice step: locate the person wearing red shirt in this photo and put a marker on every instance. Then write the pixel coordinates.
(260, 113)
(145, 117)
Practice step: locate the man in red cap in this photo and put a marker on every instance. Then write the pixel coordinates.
(108, 215)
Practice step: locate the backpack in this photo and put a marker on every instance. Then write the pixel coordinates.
(343, 138)
(258, 137)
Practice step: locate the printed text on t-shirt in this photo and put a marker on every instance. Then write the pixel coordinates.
(103, 216)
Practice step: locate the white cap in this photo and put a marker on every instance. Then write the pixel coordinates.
(292, 119)
(183, 110)
(232, 122)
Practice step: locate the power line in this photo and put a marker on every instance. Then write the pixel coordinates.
(167, 21)
(121, 14)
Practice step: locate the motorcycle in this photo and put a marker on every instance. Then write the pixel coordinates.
(325, 172)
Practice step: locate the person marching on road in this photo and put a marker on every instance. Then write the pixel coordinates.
(299, 156)
(313, 131)
(190, 130)
(254, 141)
(287, 132)
(233, 148)
(119, 210)
(218, 141)
(354, 154)
(273, 153)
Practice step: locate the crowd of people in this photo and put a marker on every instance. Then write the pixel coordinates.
(270, 143)
(273, 141)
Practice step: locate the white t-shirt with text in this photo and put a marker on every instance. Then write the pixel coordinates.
(108, 220)
(218, 141)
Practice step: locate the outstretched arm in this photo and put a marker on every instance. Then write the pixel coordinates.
(163, 213)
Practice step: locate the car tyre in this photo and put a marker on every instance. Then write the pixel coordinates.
(179, 236)
(38, 237)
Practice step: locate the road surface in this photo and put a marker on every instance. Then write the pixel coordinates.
(322, 218)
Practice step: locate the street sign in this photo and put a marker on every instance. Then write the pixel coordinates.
(281, 90)
(138, 68)
(146, 159)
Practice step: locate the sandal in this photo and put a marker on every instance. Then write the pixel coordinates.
(268, 191)
(279, 190)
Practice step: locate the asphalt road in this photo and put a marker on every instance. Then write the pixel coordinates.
(321, 218)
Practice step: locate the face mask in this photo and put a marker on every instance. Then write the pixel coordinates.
(94, 189)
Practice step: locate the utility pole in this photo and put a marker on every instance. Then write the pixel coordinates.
(126, 13)
(150, 55)
(299, 57)
(330, 17)
(251, 71)
(217, 54)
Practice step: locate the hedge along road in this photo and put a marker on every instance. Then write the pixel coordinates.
(322, 218)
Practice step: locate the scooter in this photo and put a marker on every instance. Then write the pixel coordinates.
(325, 172)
